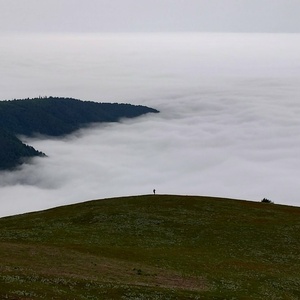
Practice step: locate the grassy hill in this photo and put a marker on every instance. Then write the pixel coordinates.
(152, 247)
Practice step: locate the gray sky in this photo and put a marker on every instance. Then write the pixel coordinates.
(149, 15)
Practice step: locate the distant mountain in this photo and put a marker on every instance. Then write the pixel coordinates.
(52, 116)
(58, 116)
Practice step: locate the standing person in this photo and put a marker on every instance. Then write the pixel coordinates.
(154, 192)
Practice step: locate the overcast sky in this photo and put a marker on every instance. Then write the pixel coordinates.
(149, 15)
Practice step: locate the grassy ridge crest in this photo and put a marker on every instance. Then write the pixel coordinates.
(152, 247)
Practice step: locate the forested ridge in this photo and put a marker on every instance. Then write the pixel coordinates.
(52, 116)
(13, 151)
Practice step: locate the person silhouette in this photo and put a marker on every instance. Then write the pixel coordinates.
(154, 192)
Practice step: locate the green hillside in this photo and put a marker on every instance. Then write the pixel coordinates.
(152, 247)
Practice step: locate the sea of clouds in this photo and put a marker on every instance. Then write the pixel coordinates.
(228, 125)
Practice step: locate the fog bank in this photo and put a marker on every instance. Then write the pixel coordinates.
(228, 125)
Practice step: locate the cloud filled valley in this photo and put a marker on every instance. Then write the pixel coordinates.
(228, 124)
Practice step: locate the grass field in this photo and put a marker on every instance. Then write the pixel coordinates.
(152, 247)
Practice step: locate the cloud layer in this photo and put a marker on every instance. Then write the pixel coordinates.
(228, 125)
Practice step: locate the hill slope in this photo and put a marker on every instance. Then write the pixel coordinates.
(13, 151)
(153, 247)
(53, 116)
(56, 116)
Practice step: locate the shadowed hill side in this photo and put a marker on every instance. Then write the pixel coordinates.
(52, 116)
(153, 247)
(13, 151)
(58, 116)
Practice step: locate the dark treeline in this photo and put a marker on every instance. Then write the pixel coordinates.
(58, 116)
(52, 116)
(13, 151)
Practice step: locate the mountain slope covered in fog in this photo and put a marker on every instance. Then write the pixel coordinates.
(152, 247)
(52, 116)
(13, 151)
